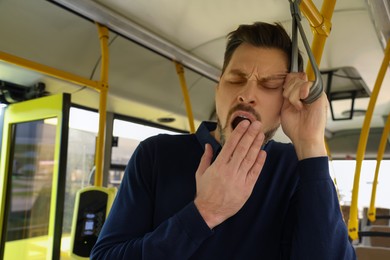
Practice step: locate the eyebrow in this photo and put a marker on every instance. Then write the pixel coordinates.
(240, 73)
(274, 76)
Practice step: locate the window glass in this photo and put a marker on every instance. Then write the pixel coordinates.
(30, 185)
(344, 171)
(129, 136)
(83, 127)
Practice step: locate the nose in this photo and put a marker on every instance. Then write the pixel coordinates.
(248, 93)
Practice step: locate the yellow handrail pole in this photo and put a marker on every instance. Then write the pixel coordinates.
(353, 217)
(330, 159)
(184, 89)
(99, 159)
(321, 26)
(328, 150)
(371, 214)
(47, 70)
(311, 13)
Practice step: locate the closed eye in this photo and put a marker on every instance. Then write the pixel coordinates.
(236, 80)
(273, 82)
(236, 77)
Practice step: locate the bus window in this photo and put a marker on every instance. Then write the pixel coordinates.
(129, 135)
(83, 126)
(344, 171)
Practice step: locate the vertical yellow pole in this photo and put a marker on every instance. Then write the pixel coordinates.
(320, 23)
(371, 214)
(353, 216)
(180, 73)
(330, 160)
(99, 159)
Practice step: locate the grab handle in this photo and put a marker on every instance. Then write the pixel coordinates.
(317, 88)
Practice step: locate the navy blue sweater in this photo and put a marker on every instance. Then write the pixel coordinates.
(293, 212)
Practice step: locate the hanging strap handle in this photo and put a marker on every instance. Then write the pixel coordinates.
(317, 88)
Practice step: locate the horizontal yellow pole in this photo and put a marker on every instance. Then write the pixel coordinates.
(47, 70)
(353, 215)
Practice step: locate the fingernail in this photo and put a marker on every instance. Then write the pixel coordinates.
(245, 123)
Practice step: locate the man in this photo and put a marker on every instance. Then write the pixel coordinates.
(229, 191)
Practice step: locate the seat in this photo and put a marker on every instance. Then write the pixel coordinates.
(376, 241)
(379, 212)
(372, 253)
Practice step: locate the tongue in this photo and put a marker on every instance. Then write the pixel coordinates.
(237, 120)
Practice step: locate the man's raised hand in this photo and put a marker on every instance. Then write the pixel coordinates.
(224, 186)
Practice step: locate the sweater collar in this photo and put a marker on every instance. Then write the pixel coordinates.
(204, 137)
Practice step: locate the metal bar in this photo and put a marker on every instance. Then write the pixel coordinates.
(353, 217)
(371, 213)
(294, 37)
(60, 74)
(318, 45)
(382, 216)
(99, 159)
(190, 116)
(317, 88)
(119, 24)
(374, 234)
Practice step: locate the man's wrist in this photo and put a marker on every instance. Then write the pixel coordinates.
(310, 150)
(209, 218)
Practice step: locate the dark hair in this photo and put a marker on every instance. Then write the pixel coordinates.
(260, 34)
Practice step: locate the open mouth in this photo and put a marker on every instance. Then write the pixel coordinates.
(239, 119)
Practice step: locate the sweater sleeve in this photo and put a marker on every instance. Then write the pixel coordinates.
(129, 231)
(320, 232)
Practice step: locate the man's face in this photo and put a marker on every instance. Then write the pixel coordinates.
(251, 87)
